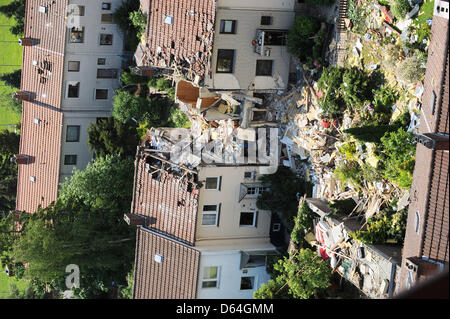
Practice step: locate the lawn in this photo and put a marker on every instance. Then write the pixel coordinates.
(425, 12)
(5, 281)
(10, 54)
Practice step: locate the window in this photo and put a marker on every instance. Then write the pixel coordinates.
(250, 174)
(213, 183)
(107, 73)
(77, 35)
(275, 37)
(264, 67)
(73, 90)
(73, 133)
(107, 18)
(256, 191)
(210, 277)
(70, 160)
(106, 39)
(101, 61)
(276, 227)
(266, 20)
(225, 59)
(210, 215)
(228, 26)
(106, 5)
(101, 94)
(77, 10)
(247, 283)
(74, 66)
(248, 219)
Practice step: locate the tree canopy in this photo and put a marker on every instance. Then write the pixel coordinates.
(12, 79)
(109, 136)
(83, 227)
(301, 275)
(16, 10)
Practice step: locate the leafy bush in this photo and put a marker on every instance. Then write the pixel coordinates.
(357, 15)
(370, 133)
(348, 173)
(387, 225)
(400, 149)
(400, 8)
(349, 150)
(139, 21)
(411, 70)
(122, 18)
(129, 78)
(179, 119)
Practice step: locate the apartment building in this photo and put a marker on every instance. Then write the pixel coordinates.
(200, 233)
(72, 57)
(426, 246)
(222, 45)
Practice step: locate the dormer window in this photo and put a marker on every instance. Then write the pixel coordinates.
(33, 179)
(43, 9)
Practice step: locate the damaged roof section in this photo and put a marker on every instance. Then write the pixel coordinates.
(166, 195)
(179, 35)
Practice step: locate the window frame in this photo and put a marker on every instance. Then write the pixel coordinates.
(67, 156)
(108, 6)
(106, 21)
(216, 213)
(252, 281)
(264, 61)
(68, 66)
(264, 22)
(103, 59)
(95, 94)
(83, 29)
(219, 58)
(105, 34)
(216, 279)
(223, 24)
(254, 221)
(73, 84)
(218, 184)
(114, 72)
(78, 133)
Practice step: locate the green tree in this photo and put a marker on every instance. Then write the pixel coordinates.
(355, 87)
(303, 275)
(122, 18)
(127, 106)
(282, 197)
(330, 84)
(139, 21)
(300, 38)
(83, 227)
(129, 78)
(12, 79)
(9, 145)
(399, 148)
(109, 136)
(126, 291)
(302, 222)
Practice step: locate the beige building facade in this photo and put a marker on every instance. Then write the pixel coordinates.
(249, 49)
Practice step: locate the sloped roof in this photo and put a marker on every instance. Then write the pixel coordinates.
(167, 202)
(174, 278)
(430, 188)
(180, 32)
(42, 77)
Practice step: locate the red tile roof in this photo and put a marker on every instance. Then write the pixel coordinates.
(174, 278)
(42, 73)
(169, 205)
(430, 188)
(187, 41)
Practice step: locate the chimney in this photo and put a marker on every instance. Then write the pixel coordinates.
(421, 268)
(27, 42)
(434, 141)
(22, 96)
(20, 159)
(134, 220)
